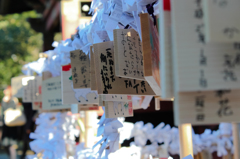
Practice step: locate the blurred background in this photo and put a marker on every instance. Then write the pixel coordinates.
(29, 27)
(24, 34)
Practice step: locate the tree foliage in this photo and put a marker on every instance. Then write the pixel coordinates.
(19, 44)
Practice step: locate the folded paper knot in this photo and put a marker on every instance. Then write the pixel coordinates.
(53, 132)
(108, 129)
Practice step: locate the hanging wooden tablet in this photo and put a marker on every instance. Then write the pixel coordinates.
(71, 95)
(114, 109)
(96, 68)
(51, 94)
(199, 65)
(37, 93)
(27, 88)
(17, 86)
(93, 82)
(104, 98)
(107, 82)
(221, 19)
(165, 50)
(80, 63)
(207, 107)
(36, 89)
(128, 55)
(151, 54)
(28, 92)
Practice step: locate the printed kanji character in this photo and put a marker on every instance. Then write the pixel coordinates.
(200, 117)
(229, 75)
(224, 109)
(230, 32)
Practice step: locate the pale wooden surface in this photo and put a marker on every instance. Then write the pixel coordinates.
(97, 70)
(100, 101)
(80, 64)
(185, 139)
(27, 83)
(76, 96)
(117, 85)
(222, 20)
(165, 52)
(93, 82)
(125, 110)
(114, 97)
(128, 55)
(82, 130)
(89, 128)
(200, 66)
(17, 87)
(235, 130)
(36, 93)
(208, 107)
(51, 94)
(157, 103)
(151, 55)
(46, 75)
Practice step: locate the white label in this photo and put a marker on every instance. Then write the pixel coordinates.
(51, 94)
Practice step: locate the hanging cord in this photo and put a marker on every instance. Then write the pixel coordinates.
(126, 27)
(150, 10)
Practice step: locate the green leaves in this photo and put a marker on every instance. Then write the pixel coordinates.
(19, 44)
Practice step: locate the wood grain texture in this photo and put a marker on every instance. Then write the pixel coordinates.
(222, 20)
(108, 82)
(199, 65)
(80, 64)
(166, 72)
(128, 55)
(151, 54)
(208, 107)
(93, 82)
